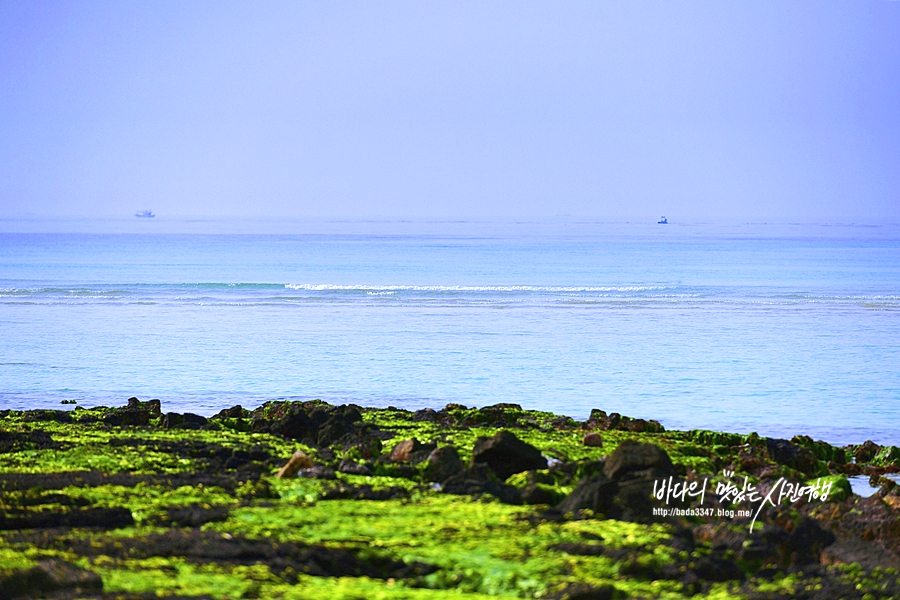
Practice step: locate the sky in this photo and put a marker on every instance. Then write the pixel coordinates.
(391, 110)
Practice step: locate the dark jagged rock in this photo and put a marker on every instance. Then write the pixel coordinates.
(866, 451)
(401, 452)
(127, 417)
(411, 451)
(822, 450)
(598, 415)
(59, 416)
(594, 493)
(350, 413)
(599, 419)
(318, 415)
(289, 420)
(507, 455)
(480, 479)
(48, 576)
(426, 414)
(235, 412)
(332, 430)
(562, 423)
(193, 419)
(295, 425)
(154, 406)
(173, 420)
(614, 421)
(791, 455)
(634, 456)
(503, 414)
(624, 488)
(504, 406)
(368, 446)
(443, 463)
(343, 428)
(633, 500)
(313, 424)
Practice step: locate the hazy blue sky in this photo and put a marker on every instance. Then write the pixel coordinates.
(773, 110)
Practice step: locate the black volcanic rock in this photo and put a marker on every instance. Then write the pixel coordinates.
(507, 455)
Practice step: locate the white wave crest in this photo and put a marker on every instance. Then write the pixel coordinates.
(473, 289)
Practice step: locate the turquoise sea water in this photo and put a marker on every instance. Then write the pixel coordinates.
(779, 329)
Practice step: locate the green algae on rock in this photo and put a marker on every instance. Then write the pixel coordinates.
(491, 502)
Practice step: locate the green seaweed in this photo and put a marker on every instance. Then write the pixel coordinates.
(887, 456)
(840, 486)
(478, 546)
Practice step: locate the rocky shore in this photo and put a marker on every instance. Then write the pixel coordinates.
(309, 500)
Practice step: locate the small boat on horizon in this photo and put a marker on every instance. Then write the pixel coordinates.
(662, 221)
(145, 214)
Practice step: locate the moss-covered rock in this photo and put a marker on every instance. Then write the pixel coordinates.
(198, 511)
(837, 486)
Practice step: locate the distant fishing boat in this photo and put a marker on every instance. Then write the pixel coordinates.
(662, 221)
(145, 214)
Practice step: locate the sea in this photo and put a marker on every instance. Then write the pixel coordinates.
(777, 328)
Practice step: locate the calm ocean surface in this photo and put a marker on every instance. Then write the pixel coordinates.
(779, 329)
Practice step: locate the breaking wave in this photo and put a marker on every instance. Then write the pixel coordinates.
(266, 294)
